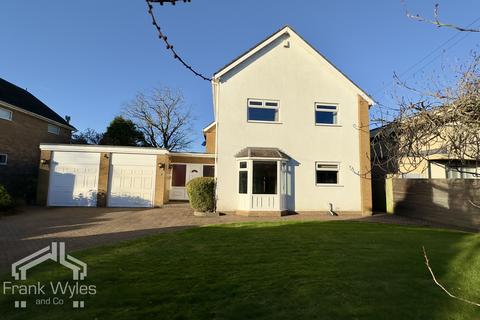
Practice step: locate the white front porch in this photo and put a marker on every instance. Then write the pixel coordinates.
(261, 182)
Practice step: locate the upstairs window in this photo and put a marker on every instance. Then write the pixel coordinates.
(326, 173)
(263, 110)
(3, 159)
(325, 114)
(5, 114)
(53, 129)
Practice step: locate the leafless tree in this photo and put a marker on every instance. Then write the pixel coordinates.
(88, 136)
(164, 118)
(440, 122)
(437, 21)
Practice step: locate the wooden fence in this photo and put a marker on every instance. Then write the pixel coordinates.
(454, 202)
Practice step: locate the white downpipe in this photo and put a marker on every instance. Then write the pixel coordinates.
(216, 94)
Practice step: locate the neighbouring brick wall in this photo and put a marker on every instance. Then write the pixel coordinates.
(364, 153)
(103, 179)
(447, 201)
(20, 139)
(210, 141)
(43, 177)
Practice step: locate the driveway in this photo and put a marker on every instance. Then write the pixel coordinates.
(34, 228)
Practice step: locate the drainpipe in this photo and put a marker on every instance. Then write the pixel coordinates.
(333, 213)
(216, 93)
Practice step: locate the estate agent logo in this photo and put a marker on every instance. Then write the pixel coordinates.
(56, 252)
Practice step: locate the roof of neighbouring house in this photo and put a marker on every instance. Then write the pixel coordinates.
(22, 99)
(256, 152)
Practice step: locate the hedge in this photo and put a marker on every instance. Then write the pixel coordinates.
(6, 201)
(201, 193)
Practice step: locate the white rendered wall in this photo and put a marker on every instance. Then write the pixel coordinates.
(297, 77)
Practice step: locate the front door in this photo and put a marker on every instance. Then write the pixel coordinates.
(181, 175)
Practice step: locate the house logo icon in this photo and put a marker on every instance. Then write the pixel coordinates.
(56, 252)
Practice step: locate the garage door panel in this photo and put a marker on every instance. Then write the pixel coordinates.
(74, 179)
(132, 180)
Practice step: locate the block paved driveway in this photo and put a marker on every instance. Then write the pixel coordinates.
(34, 228)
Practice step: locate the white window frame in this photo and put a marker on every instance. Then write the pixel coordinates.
(329, 163)
(318, 107)
(6, 159)
(53, 129)
(9, 112)
(263, 105)
(240, 169)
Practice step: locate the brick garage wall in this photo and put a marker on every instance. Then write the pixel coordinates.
(446, 201)
(20, 139)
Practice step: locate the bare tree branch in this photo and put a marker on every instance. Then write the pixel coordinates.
(164, 118)
(437, 22)
(427, 262)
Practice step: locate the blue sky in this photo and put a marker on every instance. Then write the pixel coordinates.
(87, 58)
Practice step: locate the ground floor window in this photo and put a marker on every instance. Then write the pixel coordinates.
(463, 172)
(208, 171)
(3, 158)
(326, 173)
(264, 177)
(243, 178)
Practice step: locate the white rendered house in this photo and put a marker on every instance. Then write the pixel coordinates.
(288, 132)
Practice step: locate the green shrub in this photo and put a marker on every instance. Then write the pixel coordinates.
(201, 192)
(6, 201)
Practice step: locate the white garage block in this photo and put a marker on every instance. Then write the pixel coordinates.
(74, 179)
(132, 180)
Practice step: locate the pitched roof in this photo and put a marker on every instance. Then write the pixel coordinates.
(252, 152)
(23, 99)
(284, 30)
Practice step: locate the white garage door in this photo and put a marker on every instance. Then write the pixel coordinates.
(73, 179)
(132, 180)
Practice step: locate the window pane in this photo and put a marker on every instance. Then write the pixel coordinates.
(3, 159)
(327, 177)
(325, 117)
(242, 181)
(243, 165)
(208, 171)
(179, 172)
(5, 114)
(53, 129)
(261, 114)
(271, 104)
(462, 173)
(264, 177)
(326, 107)
(327, 166)
(255, 103)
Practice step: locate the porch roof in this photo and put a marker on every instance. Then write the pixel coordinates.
(258, 152)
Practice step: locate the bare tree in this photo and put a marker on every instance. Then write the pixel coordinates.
(163, 117)
(88, 136)
(437, 21)
(436, 122)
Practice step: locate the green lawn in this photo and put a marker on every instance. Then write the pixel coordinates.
(293, 270)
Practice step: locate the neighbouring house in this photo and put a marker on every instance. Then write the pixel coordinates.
(433, 163)
(25, 123)
(286, 137)
(420, 172)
